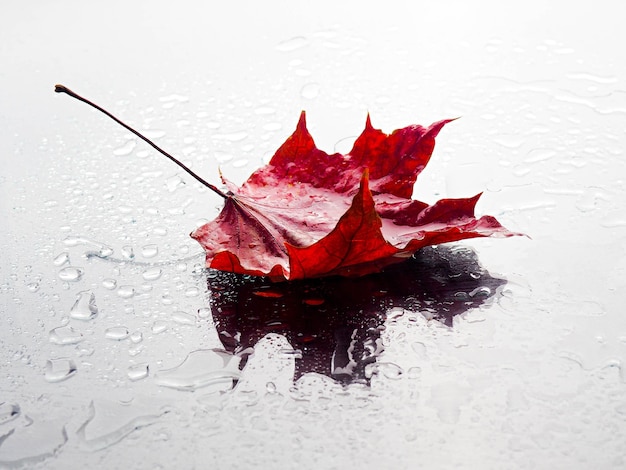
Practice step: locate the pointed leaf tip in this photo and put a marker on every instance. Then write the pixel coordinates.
(302, 120)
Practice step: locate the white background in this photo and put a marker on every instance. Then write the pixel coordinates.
(537, 380)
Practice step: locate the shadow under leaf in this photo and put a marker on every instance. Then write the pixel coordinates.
(334, 324)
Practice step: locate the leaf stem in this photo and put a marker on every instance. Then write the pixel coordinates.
(67, 91)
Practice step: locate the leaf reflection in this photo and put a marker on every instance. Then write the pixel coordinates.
(334, 324)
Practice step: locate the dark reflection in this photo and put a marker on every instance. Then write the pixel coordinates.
(334, 324)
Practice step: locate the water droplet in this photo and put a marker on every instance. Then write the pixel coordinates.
(270, 387)
(152, 274)
(60, 369)
(126, 292)
(290, 353)
(174, 182)
(109, 284)
(310, 91)
(509, 141)
(192, 292)
(153, 133)
(61, 259)
(135, 349)
(264, 110)
(150, 251)
(482, 291)
(240, 163)
(33, 286)
(125, 149)
(344, 145)
(387, 369)
(128, 252)
(136, 337)
(159, 326)
(204, 313)
(212, 368)
(414, 373)
(614, 222)
(292, 44)
(138, 372)
(71, 274)
(84, 350)
(117, 333)
(8, 412)
(460, 295)
(183, 318)
(103, 251)
(232, 136)
(272, 126)
(223, 157)
(65, 335)
(85, 306)
(539, 155)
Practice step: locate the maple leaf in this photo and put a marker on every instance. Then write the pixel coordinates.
(311, 214)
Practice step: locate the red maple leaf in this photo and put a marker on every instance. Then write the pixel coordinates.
(310, 214)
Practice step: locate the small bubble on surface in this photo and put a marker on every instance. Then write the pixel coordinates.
(65, 335)
(85, 306)
(117, 333)
(152, 274)
(60, 369)
(109, 283)
(138, 372)
(71, 274)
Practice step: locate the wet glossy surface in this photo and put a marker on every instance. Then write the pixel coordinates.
(118, 349)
